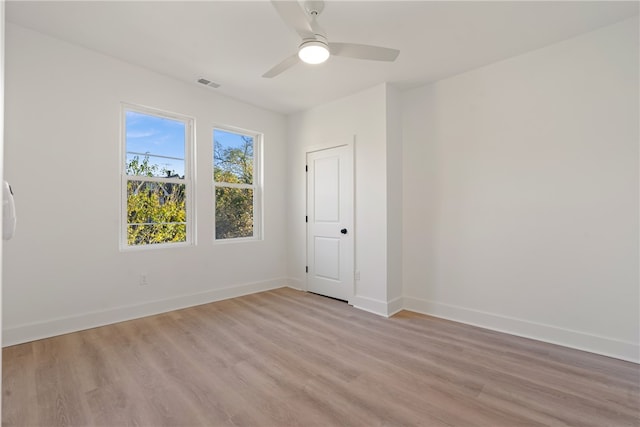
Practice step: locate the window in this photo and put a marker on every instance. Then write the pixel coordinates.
(236, 184)
(156, 178)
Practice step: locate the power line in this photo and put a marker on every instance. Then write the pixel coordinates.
(148, 154)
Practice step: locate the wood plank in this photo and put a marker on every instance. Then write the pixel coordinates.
(286, 357)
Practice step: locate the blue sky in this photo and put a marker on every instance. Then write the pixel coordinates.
(228, 139)
(156, 136)
(165, 137)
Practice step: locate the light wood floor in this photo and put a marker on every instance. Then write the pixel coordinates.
(285, 358)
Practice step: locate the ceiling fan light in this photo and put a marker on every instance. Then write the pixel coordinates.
(313, 52)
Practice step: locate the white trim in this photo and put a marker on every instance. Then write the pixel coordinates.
(564, 337)
(369, 304)
(379, 307)
(394, 306)
(188, 181)
(62, 325)
(339, 142)
(296, 284)
(350, 143)
(552, 334)
(134, 248)
(234, 185)
(2, 128)
(256, 186)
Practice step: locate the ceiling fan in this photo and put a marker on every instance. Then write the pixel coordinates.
(315, 47)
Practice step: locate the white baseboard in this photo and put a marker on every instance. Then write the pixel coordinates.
(394, 306)
(381, 308)
(552, 334)
(569, 338)
(63, 325)
(296, 284)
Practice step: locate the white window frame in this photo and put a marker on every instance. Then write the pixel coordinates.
(256, 186)
(187, 181)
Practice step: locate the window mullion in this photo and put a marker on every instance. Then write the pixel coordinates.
(234, 185)
(157, 179)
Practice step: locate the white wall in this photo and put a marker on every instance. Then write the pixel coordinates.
(362, 115)
(1, 166)
(394, 200)
(521, 194)
(63, 270)
(518, 208)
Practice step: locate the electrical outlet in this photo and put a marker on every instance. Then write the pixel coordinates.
(144, 280)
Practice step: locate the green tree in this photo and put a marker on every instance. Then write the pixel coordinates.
(156, 211)
(234, 206)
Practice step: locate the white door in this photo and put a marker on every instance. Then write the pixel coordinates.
(330, 222)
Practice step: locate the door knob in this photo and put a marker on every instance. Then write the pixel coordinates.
(343, 231)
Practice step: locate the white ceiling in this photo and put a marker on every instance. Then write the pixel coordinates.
(234, 42)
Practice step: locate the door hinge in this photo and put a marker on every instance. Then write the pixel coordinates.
(306, 168)
(306, 269)
(306, 218)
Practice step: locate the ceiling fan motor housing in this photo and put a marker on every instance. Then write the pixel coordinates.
(314, 51)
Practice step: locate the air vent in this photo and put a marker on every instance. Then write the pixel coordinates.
(208, 83)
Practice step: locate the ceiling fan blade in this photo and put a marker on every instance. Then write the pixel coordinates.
(282, 66)
(295, 17)
(363, 51)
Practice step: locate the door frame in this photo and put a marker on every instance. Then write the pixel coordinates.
(344, 141)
